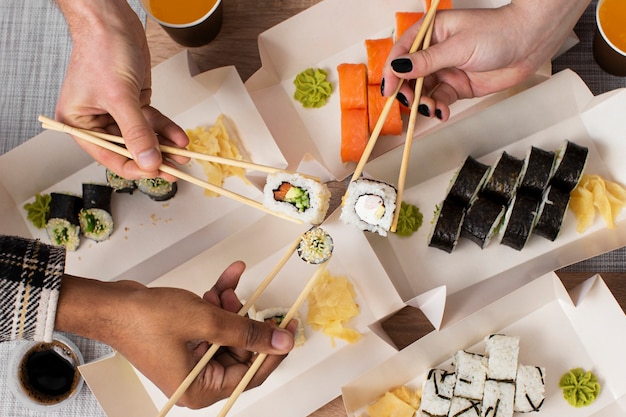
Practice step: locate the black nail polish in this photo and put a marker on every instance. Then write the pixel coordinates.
(402, 99)
(382, 87)
(402, 65)
(423, 110)
(438, 114)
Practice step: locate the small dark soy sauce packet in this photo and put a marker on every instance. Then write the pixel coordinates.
(45, 376)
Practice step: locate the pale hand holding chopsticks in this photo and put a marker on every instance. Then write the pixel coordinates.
(88, 136)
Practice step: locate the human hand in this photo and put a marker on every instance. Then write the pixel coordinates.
(107, 87)
(475, 52)
(164, 332)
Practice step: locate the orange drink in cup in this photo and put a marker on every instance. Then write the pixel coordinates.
(190, 23)
(609, 43)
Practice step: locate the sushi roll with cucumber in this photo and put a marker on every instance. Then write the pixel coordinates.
(447, 225)
(120, 184)
(504, 179)
(467, 182)
(520, 221)
(552, 213)
(482, 221)
(297, 196)
(369, 205)
(275, 315)
(537, 172)
(316, 246)
(157, 188)
(63, 226)
(96, 221)
(569, 165)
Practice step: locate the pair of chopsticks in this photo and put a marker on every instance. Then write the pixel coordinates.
(109, 142)
(422, 39)
(193, 374)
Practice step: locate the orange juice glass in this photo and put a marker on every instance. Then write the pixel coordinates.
(609, 43)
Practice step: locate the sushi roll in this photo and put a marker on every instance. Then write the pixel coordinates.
(369, 205)
(504, 179)
(63, 226)
(519, 221)
(275, 315)
(530, 389)
(119, 184)
(498, 399)
(316, 246)
(467, 182)
(157, 188)
(537, 172)
(464, 407)
(482, 221)
(447, 226)
(569, 166)
(471, 374)
(502, 352)
(96, 221)
(296, 196)
(552, 213)
(437, 393)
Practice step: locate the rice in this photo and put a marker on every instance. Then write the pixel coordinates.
(317, 195)
(369, 205)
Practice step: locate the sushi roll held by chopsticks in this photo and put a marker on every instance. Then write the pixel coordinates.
(296, 196)
(369, 205)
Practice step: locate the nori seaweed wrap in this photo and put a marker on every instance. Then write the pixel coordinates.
(467, 182)
(552, 213)
(157, 189)
(96, 221)
(504, 179)
(570, 163)
(537, 172)
(482, 221)
(447, 226)
(63, 227)
(519, 221)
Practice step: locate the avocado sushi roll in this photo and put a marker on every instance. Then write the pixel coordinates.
(504, 179)
(63, 227)
(369, 205)
(447, 226)
(467, 182)
(520, 221)
(296, 196)
(538, 169)
(119, 184)
(96, 221)
(482, 221)
(570, 163)
(157, 188)
(552, 213)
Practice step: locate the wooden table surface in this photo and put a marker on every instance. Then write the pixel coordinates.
(236, 45)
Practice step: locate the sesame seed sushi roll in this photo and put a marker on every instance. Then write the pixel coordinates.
(498, 399)
(63, 226)
(157, 189)
(96, 221)
(437, 393)
(519, 221)
(537, 172)
(447, 225)
(471, 374)
(570, 164)
(296, 196)
(482, 221)
(369, 205)
(504, 179)
(552, 213)
(316, 246)
(467, 182)
(119, 184)
(530, 389)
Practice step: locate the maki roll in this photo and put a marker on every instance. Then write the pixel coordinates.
(499, 399)
(467, 182)
(447, 226)
(119, 184)
(369, 205)
(157, 188)
(482, 221)
(537, 172)
(296, 196)
(95, 218)
(437, 392)
(316, 246)
(519, 221)
(570, 163)
(504, 179)
(552, 213)
(63, 227)
(276, 315)
(471, 375)
(530, 389)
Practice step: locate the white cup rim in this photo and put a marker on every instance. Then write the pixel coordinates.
(181, 25)
(606, 38)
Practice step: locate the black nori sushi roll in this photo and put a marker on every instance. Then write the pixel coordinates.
(157, 189)
(467, 182)
(538, 170)
(447, 226)
(482, 221)
(96, 221)
(552, 213)
(63, 227)
(570, 163)
(504, 179)
(519, 221)
(119, 184)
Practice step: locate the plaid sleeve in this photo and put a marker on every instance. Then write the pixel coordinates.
(30, 280)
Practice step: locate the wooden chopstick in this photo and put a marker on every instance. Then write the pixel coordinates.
(419, 83)
(54, 125)
(428, 19)
(262, 356)
(193, 374)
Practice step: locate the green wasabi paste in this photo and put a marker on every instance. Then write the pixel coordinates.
(409, 220)
(37, 211)
(580, 387)
(312, 88)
